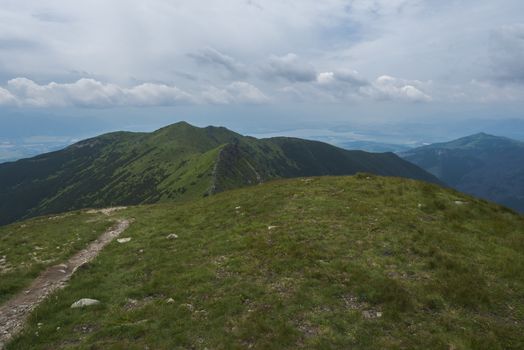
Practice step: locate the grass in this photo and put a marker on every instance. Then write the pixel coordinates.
(32, 246)
(358, 262)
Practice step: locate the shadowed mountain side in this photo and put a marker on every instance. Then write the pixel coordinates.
(486, 166)
(177, 162)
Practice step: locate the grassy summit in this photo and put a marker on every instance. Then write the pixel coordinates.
(360, 262)
(176, 163)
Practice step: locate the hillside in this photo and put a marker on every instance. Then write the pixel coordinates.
(177, 162)
(360, 262)
(29, 248)
(483, 165)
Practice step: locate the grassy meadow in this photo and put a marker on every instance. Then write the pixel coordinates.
(361, 262)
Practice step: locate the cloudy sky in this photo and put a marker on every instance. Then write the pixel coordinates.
(390, 70)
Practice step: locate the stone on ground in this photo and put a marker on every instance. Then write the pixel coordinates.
(84, 302)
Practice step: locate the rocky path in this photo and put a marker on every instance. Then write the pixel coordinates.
(15, 311)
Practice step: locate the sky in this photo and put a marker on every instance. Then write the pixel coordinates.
(401, 71)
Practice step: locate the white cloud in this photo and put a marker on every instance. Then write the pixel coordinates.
(91, 93)
(343, 76)
(387, 87)
(219, 42)
(326, 78)
(348, 86)
(6, 98)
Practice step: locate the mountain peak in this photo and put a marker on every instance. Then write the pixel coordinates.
(177, 126)
(482, 134)
(481, 140)
(185, 127)
(478, 141)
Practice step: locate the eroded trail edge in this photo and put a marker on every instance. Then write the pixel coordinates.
(15, 311)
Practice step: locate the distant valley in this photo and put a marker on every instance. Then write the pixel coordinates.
(373, 146)
(14, 149)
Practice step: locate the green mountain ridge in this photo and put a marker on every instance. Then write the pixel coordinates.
(483, 165)
(177, 162)
(358, 262)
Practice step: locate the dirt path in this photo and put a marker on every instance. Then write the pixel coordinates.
(15, 311)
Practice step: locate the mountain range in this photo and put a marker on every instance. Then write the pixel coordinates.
(207, 261)
(177, 162)
(487, 166)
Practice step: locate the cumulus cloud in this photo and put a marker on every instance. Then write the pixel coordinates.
(387, 87)
(337, 86)
(90, 93)
(346, 77)
(289, 68)
(348, 85)
(6, 98)
(237, 92)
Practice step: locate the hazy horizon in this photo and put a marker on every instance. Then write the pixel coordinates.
(402, 72)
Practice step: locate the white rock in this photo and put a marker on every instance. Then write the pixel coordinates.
(84, 302)
(271, 227)
(170, 301)
(238, 208)
(172, 236)
(123, 240)
(188, 306)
